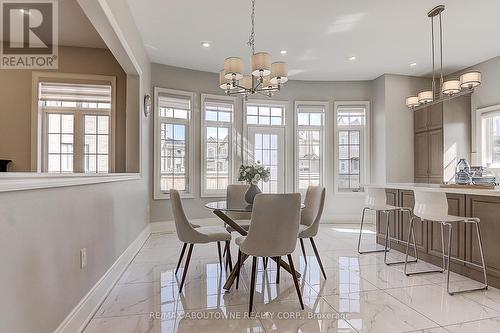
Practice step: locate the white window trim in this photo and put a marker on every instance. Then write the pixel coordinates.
(157, 193)
(264, 102)
(365, 176)
(232, 145)
(78, 116)
(37, 116)
(322, 128)
(477, 134)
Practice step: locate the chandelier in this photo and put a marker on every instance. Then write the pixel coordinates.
(266, 77)
(447, 89)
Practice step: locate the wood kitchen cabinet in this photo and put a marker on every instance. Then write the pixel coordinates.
(429, 118)
(441, 128)
(429, 156)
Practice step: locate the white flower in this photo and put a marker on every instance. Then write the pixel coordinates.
(248, 169)
(266, 179)
(243, 173)
(254, 181)
(257, 177)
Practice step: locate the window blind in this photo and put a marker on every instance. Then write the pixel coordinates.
(92, 93)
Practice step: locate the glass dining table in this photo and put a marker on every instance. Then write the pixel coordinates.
(220, 208)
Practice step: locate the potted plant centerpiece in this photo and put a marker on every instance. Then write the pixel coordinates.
(252, 175)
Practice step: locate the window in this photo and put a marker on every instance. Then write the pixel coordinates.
(172, 146)
(351, 127)
(217, 144)
(77, 127)
(490, 137)
(309, 138)
(265, 141)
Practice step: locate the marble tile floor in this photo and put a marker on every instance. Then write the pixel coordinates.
(361, 294)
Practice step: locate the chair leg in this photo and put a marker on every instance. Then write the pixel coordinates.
(361, 233)
(303, 250)
(295, 281)
(412, 230)
(220, 256)
(180, 257)
(238, 268)
(278, 270)
(186, 267)
(450, 233)
(264, 262)
(317, 257)
(252, 284)
(388, 239)
(228, 256)
(225, 249)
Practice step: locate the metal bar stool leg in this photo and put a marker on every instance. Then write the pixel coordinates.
(410, 234)
(361, 233)
(474, 221)
(407, 248)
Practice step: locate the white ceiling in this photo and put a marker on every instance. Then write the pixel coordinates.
(319, 35)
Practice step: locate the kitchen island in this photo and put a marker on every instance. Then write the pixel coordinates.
(468, 202)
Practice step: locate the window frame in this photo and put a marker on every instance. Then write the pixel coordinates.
(188, 193)
(38, 140)
(246, 126)
(232, 143)
(78, 137)
(322, 129)
(478, 148)
(364, 177)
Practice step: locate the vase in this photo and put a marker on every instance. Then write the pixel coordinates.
(252, 191)
(463, 176)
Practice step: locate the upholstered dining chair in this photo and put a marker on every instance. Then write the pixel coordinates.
(235, 195)
(190, 235)
(273, 234)
(309, 220)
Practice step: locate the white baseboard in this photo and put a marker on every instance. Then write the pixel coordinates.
(89, 304)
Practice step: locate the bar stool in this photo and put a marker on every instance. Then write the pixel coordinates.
(376, 200)
(433, 207)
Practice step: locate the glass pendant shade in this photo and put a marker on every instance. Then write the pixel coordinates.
(279, 72)
(451, 87)
(412, 101)
(261, 64)
(470, 79)
(224, 83)
(425, 96)
(233, 67)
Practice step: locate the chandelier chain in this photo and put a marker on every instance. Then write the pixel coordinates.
(251, 39)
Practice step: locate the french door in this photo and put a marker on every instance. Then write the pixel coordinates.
(266, 145)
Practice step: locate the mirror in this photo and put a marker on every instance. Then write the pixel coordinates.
(82, 117)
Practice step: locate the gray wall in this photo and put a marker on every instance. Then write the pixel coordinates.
(42, 231)
(203, 82)
(392, 128)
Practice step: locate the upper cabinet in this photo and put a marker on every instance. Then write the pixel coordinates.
(442, 138)
(429, 118)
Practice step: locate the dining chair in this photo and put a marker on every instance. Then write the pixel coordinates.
(190, 235)
(235, 195)
(309, 220)
(273, 234)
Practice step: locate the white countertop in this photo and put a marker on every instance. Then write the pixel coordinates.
(437, 188)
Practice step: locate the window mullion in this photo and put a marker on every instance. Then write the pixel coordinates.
(78, 142)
